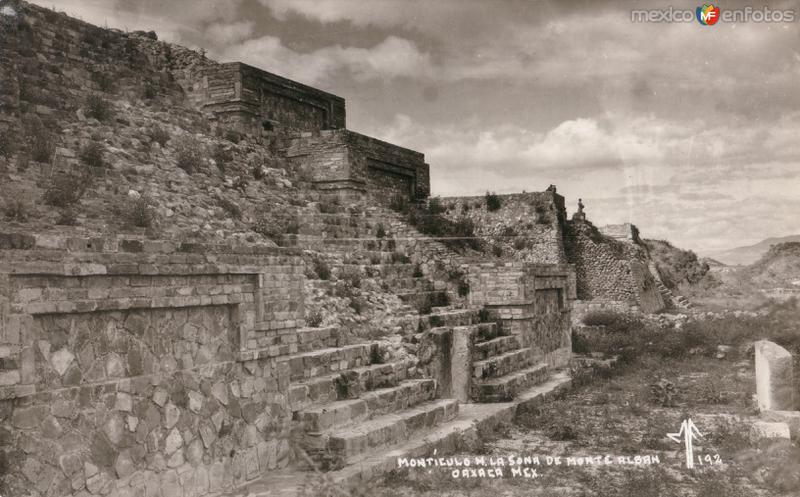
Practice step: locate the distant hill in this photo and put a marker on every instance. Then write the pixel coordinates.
(675, 266)
(778, 268)
(750, 253)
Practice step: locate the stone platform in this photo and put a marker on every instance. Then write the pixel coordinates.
(444, 439)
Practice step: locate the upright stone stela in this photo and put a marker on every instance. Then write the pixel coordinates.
(774, 386)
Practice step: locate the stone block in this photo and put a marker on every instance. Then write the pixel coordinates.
(461, 363)
(791, 418)
(763, 430)
(774, 385)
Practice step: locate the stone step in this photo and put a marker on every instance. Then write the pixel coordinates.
(346, 385)
(378, 270)
(338, 414)
(320, 362)
(501, 365)
(495, 347)
(343, 445)
(293, 341)
(486, 331)
(398, 285)
(454, 317)
(506, 388)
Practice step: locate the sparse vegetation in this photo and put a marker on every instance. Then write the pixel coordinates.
(103, 80)
(493, 201)
(230, 207)
(66, 190)
(159, 135)
(458, 234)
(99, 108)
(222, 156)
(67, 217)
(39, 141)
(322, 269)
(188, 153)
(429, 300)
(17, 209)
(93, 154)
(330, 206)
(400, 258)
(141, 212)
(314, 319)
(615, 322)
(7, 143)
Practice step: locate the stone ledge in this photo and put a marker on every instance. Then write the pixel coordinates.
(65, 243)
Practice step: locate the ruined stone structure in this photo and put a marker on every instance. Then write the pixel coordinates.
(125, 360)
(349, 163)
(132, 365)
(612, 272)
(249, 99)
(526, 226)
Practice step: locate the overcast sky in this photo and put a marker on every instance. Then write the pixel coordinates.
(691, 132)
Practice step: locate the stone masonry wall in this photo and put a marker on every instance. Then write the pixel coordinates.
(344, 160)
(532, 300)
(246, 97)
(527, 226)
(610, 270)
(136, 367)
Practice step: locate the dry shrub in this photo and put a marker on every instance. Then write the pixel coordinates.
(40, 142)
(159, 135)
(92, 154)
(99, 108)
(141, 212)
(17, 210)
(189, 153)
(66, 190)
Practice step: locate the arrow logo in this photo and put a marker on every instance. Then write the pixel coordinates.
(689, 432)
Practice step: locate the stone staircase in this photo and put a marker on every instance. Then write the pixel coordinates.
(374, 243)
(501, 366)
(678, 301)
(350, 402)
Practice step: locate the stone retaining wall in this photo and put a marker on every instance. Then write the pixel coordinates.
(609, 269)
(135, 366)
(526, 226)
(348, 161)
(248, 98)
(532, 301)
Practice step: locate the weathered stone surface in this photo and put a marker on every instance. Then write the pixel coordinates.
(766, 430)
(114, 428)
(195, 401)
(208, 434)
(791, 418)
(124, 465)
(194, 452)
(160, 396)
(220, 392)
(61, 360)
(124, 402)
(774, 382)
(171, 415)
(115, 367)
(170, 484)
(70, 464)
(26, 418)
(173, 442)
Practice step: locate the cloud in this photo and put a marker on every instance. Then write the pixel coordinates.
(226, 34)
(392, 58)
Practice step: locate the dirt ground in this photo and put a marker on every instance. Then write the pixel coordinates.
(621, 416)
